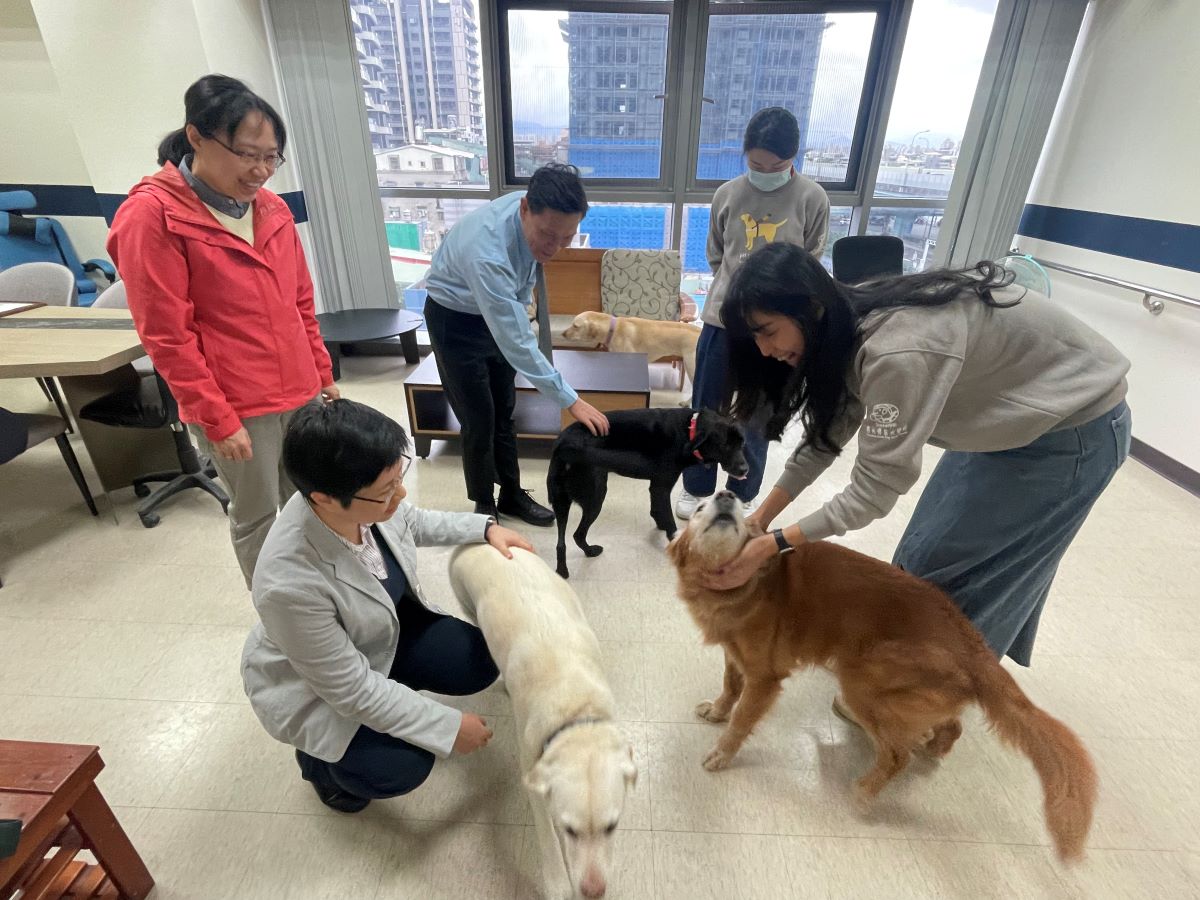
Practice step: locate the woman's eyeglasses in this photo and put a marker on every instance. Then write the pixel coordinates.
(405, 462)
(270, 160)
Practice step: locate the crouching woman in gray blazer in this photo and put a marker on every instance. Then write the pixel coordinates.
(347, 638)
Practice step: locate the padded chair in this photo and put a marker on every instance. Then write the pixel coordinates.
(862, 257)
(42, 282)
(150, 404)
(25, 239)
(645, 284)
(20, 431)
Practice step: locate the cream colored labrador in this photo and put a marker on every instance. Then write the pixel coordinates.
(655, 338)
(575, 762)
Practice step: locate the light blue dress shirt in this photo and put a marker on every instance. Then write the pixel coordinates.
(485, 267)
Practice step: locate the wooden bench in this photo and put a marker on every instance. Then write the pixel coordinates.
(51, 789)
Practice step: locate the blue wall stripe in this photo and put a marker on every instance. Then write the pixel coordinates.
(82, 200)
(1149, 240)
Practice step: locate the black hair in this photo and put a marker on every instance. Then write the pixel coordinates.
(217, 104)
(785, 279)
(556, 186)
(775, 130)
(339, 448)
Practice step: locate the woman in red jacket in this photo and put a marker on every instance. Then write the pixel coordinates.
(221, 296)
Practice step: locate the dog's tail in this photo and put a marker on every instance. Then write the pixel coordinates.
(1062, 762)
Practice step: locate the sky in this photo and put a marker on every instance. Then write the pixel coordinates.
(938, 71)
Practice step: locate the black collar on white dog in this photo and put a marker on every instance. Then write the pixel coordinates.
(566, 726)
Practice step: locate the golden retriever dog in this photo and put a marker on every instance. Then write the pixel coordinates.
(577, 767)
(907, 660)
(658, 340)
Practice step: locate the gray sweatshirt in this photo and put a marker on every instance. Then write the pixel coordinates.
(745, 218)
(963, 376)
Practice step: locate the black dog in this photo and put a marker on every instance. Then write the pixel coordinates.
(655, 445)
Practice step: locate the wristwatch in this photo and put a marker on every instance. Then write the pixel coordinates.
(491, 520)
(781, 542)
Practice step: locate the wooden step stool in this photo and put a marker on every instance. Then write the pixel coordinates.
(51, 789)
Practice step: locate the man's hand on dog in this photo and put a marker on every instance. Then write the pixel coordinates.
(473, 733)
(593, 420)
(504, 538)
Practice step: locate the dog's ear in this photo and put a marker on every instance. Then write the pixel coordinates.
(629, 769)
(536, 781)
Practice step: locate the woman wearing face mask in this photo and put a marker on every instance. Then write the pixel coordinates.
(771, 203)
(221, 295)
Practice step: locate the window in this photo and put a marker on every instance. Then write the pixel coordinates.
(410, 104)
(564, 73)
(917, 227)
(815, 65)
(415, 227)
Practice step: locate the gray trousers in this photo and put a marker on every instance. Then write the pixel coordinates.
(258, 487)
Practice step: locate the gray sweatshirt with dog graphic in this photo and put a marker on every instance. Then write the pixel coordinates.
(963, 376)
(744, 218)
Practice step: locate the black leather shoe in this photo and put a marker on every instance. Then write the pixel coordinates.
(331, 795)
(488, 509)
(522, 506)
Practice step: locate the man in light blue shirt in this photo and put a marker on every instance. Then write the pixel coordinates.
(480, 285)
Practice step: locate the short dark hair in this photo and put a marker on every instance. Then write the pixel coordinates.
(775, 130)
(216, 104)
(556, 186)
(339, 448)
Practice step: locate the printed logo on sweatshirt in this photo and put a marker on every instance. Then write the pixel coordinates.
(882, 421)
(764, 229)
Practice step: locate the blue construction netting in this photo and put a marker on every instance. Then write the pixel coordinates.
(614, 158)
(632, 227)
(695, 252)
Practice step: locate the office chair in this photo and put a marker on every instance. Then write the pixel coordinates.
(150, 404)
(862, 257)
(25, 239)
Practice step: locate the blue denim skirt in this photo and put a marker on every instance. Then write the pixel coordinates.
(991, 528)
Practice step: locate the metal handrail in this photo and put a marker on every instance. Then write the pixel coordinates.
(1153, 306)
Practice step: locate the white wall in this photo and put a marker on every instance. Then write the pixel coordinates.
(39, 145)
(1124, 142)
(96, 84)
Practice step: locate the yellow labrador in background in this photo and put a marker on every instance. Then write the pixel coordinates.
(655, 338)
(576, 764)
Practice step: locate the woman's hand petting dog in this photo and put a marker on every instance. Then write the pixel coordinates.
(503, 539)
(473, 733)
(742, 567)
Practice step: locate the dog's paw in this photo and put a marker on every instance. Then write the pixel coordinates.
(563, 572)
(716, 760)
(708, 712)
(592, 550)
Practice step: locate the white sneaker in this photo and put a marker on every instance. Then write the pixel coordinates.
(749, 506)
(686, 505)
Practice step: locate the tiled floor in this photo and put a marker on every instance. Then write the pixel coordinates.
(129, 638)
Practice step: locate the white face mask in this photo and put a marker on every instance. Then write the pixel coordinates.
(769, 181)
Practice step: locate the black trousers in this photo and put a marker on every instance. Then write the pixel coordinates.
(436, 653)
(481, 387)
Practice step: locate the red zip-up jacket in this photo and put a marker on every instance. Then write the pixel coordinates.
(231, 328)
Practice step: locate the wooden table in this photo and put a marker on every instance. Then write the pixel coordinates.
(51, 788)
(608, 381)
(89, 352)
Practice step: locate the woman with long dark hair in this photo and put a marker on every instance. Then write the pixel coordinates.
(221, 295)
(1026, 400)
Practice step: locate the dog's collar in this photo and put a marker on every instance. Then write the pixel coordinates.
(612, 329)
(692, 427)
(567, 726)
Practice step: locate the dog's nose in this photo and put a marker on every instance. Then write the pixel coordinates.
(725, 500)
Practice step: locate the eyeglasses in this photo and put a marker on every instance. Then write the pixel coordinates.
(405, 462)
(271, 161)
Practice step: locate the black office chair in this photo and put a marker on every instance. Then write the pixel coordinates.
(862, 257)
(149, 404)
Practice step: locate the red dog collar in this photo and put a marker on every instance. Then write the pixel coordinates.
(612, 329)
(692, 435)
